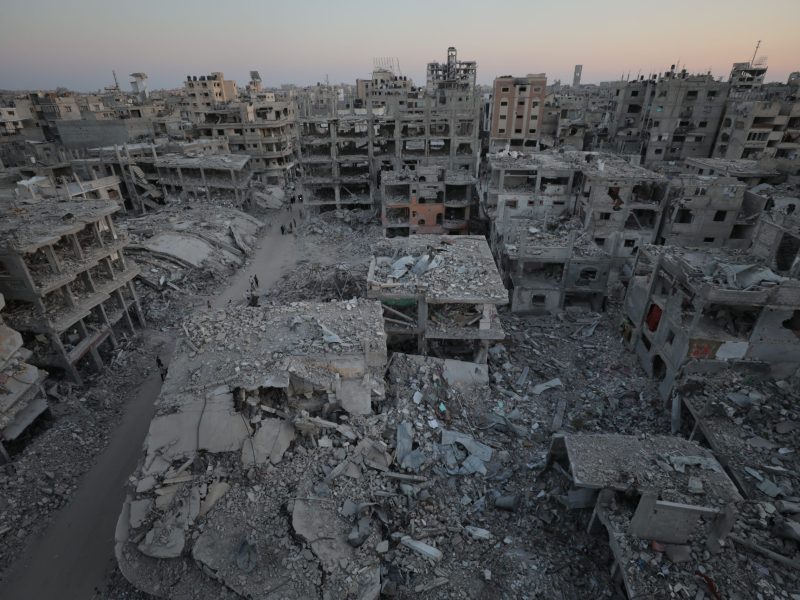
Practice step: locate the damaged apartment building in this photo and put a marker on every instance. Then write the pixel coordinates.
(66, 280)
(439, 295)
(263, 128)
(667, 117)
(693, 311)
(566, 225)
(413, 149)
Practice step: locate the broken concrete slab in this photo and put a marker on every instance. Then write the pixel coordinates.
(215, 491)
(322, 531)
(547, 385)
(421, 548)
(163, 541)
(139, 511)
(273, 438)
(465, 374)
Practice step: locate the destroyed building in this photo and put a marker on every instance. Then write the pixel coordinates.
(550, 269)
(223, 175)
(777, 237)
(264, 130)
(404, 138)
(22, 398)
(336, 158)
(696, 311)
(244, 394)
(656, 493)
(748, 171)
(439, 294)
(667, 116)
(205, 92)
(565, 226)
(537, 186)
(708, 211)
(66, 280)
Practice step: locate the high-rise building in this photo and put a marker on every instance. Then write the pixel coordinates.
(576, 76)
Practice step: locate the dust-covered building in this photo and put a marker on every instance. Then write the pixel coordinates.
(439, 294)
(66, 280)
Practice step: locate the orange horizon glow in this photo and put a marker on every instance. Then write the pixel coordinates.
(48, 43)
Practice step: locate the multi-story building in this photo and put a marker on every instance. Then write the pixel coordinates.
(439, 294)
(707, 212)
(66, 280)
(218, 175)
(516, 112)
(667, 117)
(696, 311)
(206, 92)
(264, 130)
(763, 130)
(417, 147)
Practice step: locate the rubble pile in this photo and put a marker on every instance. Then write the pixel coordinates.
(347, 232)
(446, 267)
(315, 281)
(571, 373)
(429, 498)
(187, 251)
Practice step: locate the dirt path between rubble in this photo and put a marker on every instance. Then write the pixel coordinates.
(76, 551)
(274, 255)
(76, 554)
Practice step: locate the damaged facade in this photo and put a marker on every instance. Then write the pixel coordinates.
(698, 311)
(439, 294)
(66, 280)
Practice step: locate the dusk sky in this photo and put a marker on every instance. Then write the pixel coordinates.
(77, 43)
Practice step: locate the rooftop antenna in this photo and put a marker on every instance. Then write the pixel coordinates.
(753, 60)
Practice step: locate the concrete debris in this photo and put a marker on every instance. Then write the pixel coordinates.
(421, 548)
(547, 385)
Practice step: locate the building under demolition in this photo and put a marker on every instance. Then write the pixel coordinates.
(66, 280)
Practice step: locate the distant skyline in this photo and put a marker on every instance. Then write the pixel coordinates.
(76, 44)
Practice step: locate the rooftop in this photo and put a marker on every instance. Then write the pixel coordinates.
(734, 167)
(26, 227)
(457, 269)
(249, 345)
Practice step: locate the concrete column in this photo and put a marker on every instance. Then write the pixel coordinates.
(55, 341)
(136, 305)
(99, 237)
(98, 362)
(76, 246)
(205, 184)
(112, 336)
(52, 258)
(422, 323)
(125, 310)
